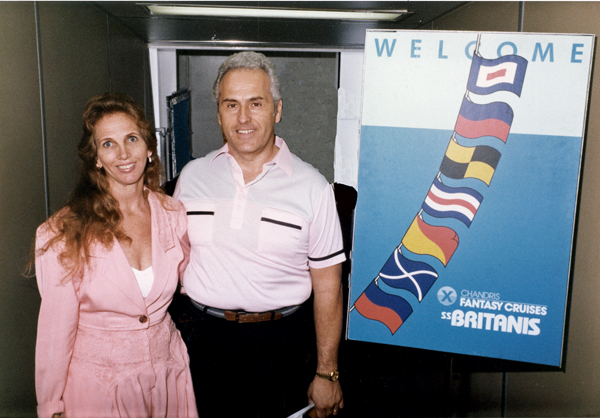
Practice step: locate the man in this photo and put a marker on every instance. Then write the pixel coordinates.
(264, 234)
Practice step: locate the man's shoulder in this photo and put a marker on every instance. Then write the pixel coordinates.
(300, 169)
(202, 175)
(198, 164)
(306, 172)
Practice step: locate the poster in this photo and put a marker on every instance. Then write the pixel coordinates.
(470, 155)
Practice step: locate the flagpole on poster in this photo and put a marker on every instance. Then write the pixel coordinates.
(504, 374)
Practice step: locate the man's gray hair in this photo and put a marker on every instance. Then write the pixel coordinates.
(248, 60)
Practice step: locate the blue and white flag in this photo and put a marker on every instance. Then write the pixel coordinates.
(401, 273)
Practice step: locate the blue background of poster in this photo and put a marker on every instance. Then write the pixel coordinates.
(517, 249)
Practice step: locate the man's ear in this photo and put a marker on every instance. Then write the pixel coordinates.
(278, 111)
(219, 118)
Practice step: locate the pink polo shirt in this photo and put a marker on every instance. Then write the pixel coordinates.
(252, 244)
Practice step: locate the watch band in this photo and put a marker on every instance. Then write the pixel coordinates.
(331, 376)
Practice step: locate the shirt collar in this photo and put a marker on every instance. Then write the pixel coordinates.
(223, 150)
(283, 158)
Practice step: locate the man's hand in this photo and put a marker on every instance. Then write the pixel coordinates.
(327, 397)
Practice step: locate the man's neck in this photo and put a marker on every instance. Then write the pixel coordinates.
(252, 165)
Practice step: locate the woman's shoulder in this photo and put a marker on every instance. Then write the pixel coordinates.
(171, 210)
(51, 228)
(54, 223)
(167, 202)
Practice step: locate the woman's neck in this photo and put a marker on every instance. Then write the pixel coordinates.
(131, 199)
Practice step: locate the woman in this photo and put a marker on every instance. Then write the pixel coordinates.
(107, 265)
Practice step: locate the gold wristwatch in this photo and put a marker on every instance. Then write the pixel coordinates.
(331, 376)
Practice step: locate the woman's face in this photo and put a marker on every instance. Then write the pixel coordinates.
(121, 150)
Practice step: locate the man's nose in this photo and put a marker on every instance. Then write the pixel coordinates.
(244, 114)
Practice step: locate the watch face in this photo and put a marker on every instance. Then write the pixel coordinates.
(335, 376)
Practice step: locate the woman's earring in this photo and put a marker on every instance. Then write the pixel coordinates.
(98, 164)
(150, 158)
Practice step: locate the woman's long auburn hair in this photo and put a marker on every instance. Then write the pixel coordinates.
(92, 214)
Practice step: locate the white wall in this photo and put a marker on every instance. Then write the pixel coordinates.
(348, 118)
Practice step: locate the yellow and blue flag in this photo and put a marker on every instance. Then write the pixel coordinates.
(478, 162)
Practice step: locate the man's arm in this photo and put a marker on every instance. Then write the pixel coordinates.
(328, 305)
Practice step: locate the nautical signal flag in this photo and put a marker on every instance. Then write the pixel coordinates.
(452, 202)
(380, 306)
(504, 73)
(401, 273)
(470, 162)
(475, 120)
(437, 241)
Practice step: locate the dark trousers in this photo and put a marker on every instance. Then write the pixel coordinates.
(250, 370)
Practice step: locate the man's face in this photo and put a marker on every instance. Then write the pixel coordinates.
(247, 114)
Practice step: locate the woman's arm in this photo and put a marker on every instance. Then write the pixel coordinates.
(57, 327)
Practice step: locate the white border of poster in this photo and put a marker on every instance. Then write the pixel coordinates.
(470, 157)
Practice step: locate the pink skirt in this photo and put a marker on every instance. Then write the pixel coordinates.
(139, 373)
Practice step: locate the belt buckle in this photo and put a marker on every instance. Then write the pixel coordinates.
(252, 317)
(232, 316)
(240, 317)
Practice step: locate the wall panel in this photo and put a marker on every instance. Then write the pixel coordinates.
(22, 205)
(492, 16)
(129, 66)
(74, 43)
(74, 39)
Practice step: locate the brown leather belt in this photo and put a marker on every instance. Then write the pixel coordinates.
(244, 317)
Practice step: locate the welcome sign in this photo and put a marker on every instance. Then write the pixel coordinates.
(470, 155)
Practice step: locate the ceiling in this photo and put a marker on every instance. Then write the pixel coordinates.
(272, 32)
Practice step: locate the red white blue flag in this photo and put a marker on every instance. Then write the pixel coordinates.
(452, 202)
(504, 73)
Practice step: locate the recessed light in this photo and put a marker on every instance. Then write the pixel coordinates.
(186, 10)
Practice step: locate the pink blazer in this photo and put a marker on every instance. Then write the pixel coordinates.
(108, 297)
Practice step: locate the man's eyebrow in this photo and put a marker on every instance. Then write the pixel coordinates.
(251, 99)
